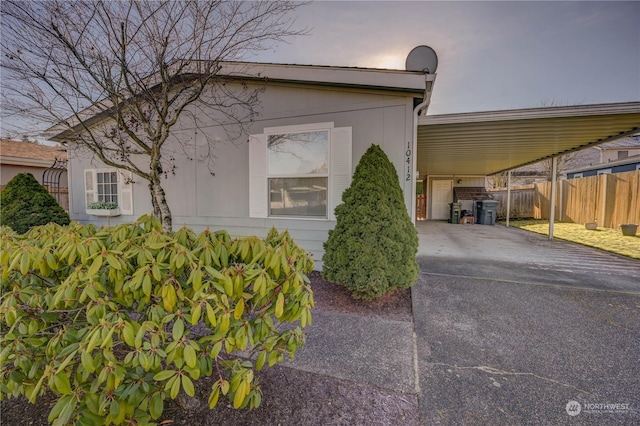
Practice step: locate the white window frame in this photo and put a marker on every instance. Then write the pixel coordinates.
(604, 172)
(124, 191)
(577, 175)
(272, 175)
(338, 178)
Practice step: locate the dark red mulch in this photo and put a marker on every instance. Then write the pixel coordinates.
(336, 298)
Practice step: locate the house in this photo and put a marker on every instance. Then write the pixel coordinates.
(626, 164)
(290, 169)
(620, 149)
(46, 163)
(619, 156)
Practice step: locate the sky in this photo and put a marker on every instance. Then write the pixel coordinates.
(491, 55)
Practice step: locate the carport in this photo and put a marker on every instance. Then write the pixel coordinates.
(486, 143)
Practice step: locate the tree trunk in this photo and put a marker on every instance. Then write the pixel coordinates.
(159, 201)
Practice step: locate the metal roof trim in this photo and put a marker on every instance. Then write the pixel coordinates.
(532, 113)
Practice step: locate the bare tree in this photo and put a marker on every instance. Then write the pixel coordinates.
(565, 162)
(538, 170)
(118, 76)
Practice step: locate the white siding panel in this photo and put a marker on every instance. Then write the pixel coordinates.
(89, 187)
(340, 166)
(126, 192)
(258, 190)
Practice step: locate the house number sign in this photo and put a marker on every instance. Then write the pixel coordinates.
(408, 161)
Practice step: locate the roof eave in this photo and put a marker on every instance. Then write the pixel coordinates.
(26, 162)
(409, 82)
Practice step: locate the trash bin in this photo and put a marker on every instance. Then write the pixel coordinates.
(454, 212)
(487, 212)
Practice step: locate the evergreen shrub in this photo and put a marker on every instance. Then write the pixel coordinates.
(372, 250)
(24, 203)
(115, 321)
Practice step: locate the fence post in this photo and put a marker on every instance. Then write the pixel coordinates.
(603, 201)
(552, 198)
(508, 197)
(561, 200)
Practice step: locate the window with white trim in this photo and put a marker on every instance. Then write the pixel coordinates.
(604, 172)
(109, 186)
(299, 171)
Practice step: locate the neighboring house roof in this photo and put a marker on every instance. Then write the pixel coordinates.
(629, 160)
(29, 154)
(624, 143)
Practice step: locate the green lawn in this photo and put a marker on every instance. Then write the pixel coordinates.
(606, 239)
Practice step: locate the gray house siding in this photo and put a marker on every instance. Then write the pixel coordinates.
(200, 199)
(614, 169)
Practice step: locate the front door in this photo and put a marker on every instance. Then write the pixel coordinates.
(441, 196)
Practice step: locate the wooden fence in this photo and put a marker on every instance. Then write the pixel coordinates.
(421, 207)
(521, 201)
(608, 199)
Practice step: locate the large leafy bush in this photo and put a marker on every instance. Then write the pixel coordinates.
(115, 321)
(24, 203)
(372, 250)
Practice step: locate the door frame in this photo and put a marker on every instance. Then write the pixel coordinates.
(431, 194)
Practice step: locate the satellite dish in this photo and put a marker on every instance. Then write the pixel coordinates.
(422, 59)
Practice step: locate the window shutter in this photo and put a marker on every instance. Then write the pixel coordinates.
(258, 188)
(89, 187)
(125, 183)
(340, 166)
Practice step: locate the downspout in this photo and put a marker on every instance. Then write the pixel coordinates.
(429, 79)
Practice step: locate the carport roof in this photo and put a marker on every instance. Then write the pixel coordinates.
(484, 143)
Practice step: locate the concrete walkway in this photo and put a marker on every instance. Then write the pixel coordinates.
(508, 328)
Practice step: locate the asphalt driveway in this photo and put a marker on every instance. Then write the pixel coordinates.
(512, 328)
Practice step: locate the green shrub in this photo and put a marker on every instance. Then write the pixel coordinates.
(115, 321)
(372, 250)
(25, 204)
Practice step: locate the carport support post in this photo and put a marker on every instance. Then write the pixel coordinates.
(552, 202)
(508, 196)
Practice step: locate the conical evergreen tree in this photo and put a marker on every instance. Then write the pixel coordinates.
(372, 250)
(24, 203)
